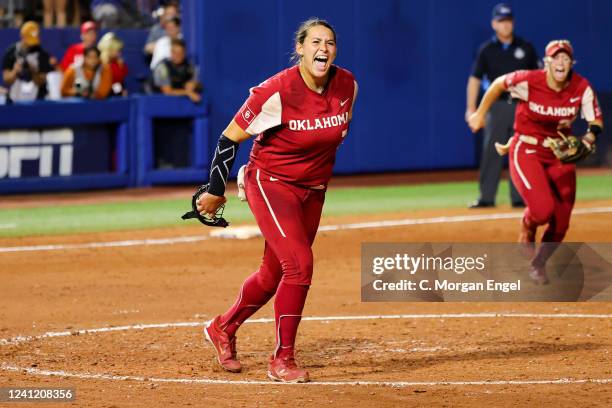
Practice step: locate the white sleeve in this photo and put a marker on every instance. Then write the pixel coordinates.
(269, 117)
(588, 107)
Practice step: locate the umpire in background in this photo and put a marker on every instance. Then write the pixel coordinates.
(500, 55)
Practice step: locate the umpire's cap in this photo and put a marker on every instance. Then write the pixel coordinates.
(502, 12)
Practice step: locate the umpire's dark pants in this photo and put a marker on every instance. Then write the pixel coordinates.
(499, 128)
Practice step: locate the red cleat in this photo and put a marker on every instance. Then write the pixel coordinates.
(538, 275)
(224, 346)
(285, 369)
(527, 239)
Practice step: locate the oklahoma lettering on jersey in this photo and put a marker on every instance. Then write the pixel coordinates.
(542, 111)
(298, 130)
(322, 123)
(552, 110)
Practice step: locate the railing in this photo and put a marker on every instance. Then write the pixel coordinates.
(71, 145)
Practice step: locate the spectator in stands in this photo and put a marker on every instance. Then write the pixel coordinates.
(147, 9)
(74, 53)
(116, 13)
(110, 47)
(172, 28)
(91, 80)
(25, 66)
(80, 11)
(170, 10)
(175, 75)
(57, 7)
(20, 8)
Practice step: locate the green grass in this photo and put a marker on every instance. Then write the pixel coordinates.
(163, 213)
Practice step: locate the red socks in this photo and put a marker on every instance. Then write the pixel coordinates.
(251, 298)
(288, 307)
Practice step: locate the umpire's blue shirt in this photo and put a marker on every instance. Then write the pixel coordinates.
(495, 59)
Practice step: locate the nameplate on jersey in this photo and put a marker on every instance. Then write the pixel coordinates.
(318, 123)
(552, 110)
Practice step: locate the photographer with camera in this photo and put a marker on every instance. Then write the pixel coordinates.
(25, 66)
(92, 80)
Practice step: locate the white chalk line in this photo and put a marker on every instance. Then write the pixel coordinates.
(24, 339)
(449, 219)
(112, 244)
(326, 228)
(397, 384)
(8, 226)
(364, 349)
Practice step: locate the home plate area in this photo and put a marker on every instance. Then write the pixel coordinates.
(372, 350)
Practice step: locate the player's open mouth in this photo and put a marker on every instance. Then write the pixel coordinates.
(560, 72)
(320, 62)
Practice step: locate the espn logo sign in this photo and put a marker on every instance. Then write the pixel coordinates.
(17, 146)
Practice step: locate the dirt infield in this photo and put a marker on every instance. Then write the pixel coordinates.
(536, 359)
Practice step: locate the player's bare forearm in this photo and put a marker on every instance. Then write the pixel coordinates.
(476, 120)
(492, 94)
(235, 132)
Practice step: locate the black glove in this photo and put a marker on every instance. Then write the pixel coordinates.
(216, 221)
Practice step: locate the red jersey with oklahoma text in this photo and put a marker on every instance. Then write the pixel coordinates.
(298, 129)
(542, 112)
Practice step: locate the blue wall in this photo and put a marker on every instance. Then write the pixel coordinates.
(411, 60)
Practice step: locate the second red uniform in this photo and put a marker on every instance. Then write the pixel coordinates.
(547, 185)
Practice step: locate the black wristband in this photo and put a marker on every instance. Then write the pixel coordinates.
(222, 163)
(594, 129)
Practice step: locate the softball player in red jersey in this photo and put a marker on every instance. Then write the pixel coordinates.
(549, 102)
(300, 116)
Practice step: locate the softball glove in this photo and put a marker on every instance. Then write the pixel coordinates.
(216, 221)
(570, 149)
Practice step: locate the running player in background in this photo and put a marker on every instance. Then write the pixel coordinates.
(300, 116)
(549, 102)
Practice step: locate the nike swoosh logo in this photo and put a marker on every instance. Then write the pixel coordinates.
(273, 179)
(342, 103)
(530, 151)
(572, 100)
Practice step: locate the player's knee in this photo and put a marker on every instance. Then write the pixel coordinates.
(269, 277)
(300, 279)
(542, 213)
(297, 269)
